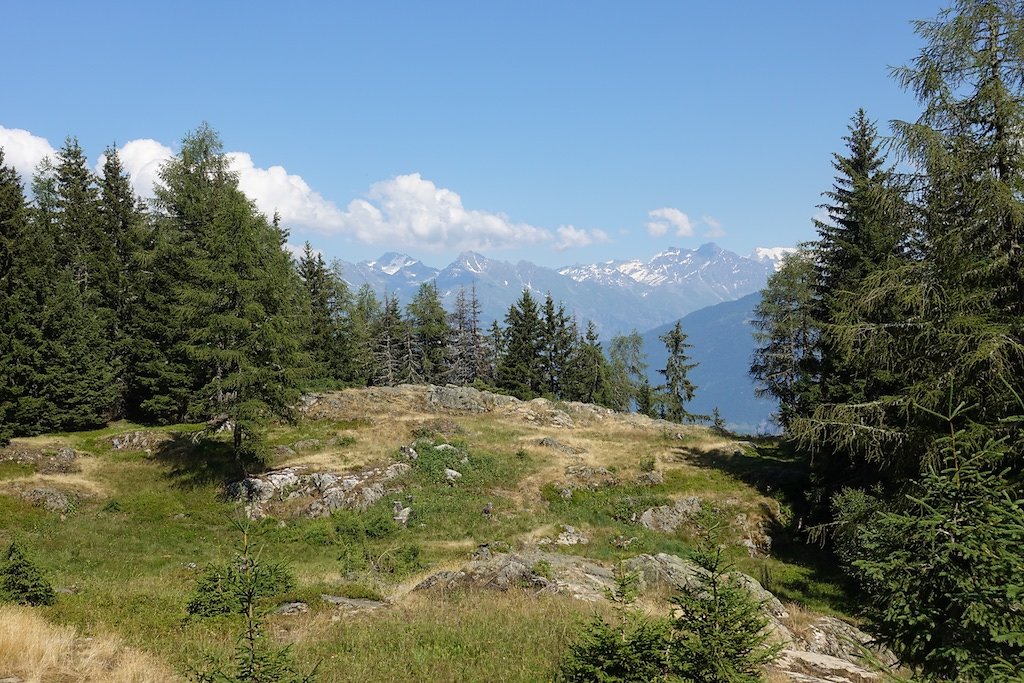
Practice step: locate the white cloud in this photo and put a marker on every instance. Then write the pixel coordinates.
(570, 236)
(681, 225)
(23, 151)
(142, 160)
(666, 218)
(274, 189)
(410, 210)
(404, 211)
(657, 229)
(714, 227)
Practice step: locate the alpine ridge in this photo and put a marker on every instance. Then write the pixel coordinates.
(617, 296)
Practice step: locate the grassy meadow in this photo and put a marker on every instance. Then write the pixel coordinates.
(127, 555)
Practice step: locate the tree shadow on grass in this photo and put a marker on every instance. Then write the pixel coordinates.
(197, 461)
(777, 471)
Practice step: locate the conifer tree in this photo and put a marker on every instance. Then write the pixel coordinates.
(677, 390)
(122, 223)
(494, 352)
(324, 298)
(430, 335)
(519, 371)
(81, 316)
(15, 328)
(390, 336)
(588, 379)
(238, 300)
(557, 346)
(21, 581)
(466, 348)
(358, 366)
(627, 370)
(786, 334)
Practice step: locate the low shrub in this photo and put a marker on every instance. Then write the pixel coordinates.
(21, 581)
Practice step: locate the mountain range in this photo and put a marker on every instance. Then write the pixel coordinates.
(618, 296)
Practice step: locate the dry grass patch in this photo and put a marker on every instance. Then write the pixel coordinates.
(36, 651)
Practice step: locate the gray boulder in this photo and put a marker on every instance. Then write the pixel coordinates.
(668, 518)
(51, 499)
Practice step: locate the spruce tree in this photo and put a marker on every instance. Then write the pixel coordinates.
(466, 350)
(587, 380)
(677, 390)
(358, 363)
(390, 335)
(238, 301)
(122, 224)
(21, 581)
(430, 334)
(324, 299)
(519, 371)
(15, 384)
(557, 346)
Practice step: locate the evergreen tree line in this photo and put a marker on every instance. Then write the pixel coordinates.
(189, 308)
(894, 344)
(540, 351)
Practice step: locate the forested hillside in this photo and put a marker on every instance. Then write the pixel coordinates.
(188, 309)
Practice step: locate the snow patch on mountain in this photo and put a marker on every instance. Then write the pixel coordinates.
(773, 254)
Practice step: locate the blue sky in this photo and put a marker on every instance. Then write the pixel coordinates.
(552, 131)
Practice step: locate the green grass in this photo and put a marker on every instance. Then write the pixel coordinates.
(129, 557)
(13, 470)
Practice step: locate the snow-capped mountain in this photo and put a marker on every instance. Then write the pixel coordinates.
(772, 255)
(707, 275)
(617, 296)
(392, 272)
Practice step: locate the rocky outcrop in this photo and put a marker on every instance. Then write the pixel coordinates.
(549, 442)
(465, 399)
(294, 491)
(827, 652)
(54, 500)
(668, 518)
(801, 666)
(531, 569)
(60, 461)
(145, 441)
(584, 477)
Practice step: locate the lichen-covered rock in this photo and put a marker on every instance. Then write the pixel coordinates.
(139, 440)
(570, 536)
(836, 638)
(549, 442)
(811, 667)
(291, 609)
(61, 461)
(652, 478)
(315, 494)
(451, 397)
(668, 518)
(353, 604)
(51, 499)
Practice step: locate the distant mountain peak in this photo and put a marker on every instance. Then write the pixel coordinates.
(771, 254)
(472, 261)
